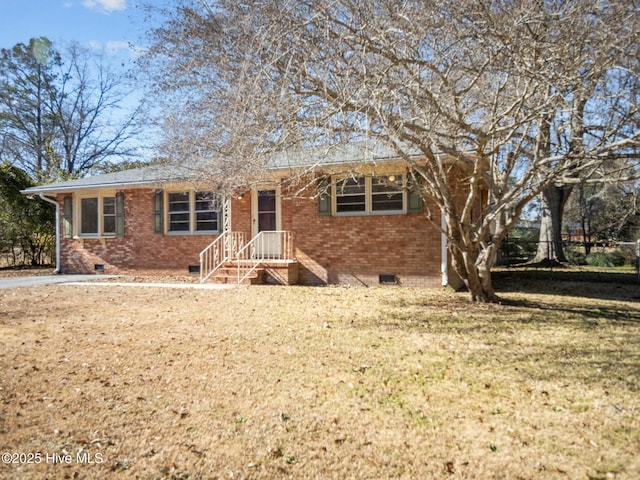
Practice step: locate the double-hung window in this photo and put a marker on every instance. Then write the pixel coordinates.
(351, 195)
(372, 195)
(192, 212)
(179, 214)
(206, 212)
(109, 215)
(98, 216)
(387, 194)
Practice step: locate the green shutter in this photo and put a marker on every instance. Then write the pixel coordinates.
(324, 196)
(414, 203)
(67, 217)
(414, 199)
(157, 212)
(119, 214)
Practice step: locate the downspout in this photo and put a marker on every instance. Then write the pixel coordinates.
(57, 205)
(444, 264)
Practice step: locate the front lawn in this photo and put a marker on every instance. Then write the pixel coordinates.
(119, 382)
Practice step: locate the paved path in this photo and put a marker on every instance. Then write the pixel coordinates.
(16, 282)
(201, 286)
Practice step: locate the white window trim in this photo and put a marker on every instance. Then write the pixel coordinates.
(368, 196)
(192, 214)
(77, 215)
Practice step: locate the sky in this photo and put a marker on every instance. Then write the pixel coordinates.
(112, 25)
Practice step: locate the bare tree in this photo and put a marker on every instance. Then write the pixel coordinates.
(603, 212)
(61, 114)
(501, 98)
(598, 79)
(26, 122)
(95, 124)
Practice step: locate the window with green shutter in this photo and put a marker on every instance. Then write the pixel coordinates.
(370, 195)
(98, 215)
(188, 212)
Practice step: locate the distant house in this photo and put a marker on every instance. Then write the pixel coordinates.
(330, 226)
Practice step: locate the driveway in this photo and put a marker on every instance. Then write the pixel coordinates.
(15, 282)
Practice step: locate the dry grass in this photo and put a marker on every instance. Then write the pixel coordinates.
(273, 382)
(11, 272)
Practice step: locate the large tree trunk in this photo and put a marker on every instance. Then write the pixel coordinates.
(474, 268)
(552, 202)
(554, 198)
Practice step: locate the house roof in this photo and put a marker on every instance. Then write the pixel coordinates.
(361, 152)
(149, 175)
(364, 152)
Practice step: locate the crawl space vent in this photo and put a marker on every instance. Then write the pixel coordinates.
(98, 267)
(387, 279)
(194, 268)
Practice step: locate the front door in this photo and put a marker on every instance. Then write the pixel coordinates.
(266, 218)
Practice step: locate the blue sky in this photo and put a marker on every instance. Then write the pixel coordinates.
(115, 27)
(111, 25)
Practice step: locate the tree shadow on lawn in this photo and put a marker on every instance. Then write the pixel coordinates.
(596, 285)
(592, 343)
(588, 313)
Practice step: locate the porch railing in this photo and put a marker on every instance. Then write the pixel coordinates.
(223, 249)
(265, 246)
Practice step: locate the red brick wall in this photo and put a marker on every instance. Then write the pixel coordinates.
(335, 250)
(140, 249)
(357, 249)
(241, 214)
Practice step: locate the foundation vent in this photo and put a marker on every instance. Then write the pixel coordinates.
(387, 279)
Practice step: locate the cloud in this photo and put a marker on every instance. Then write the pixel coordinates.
(114, 47)
(107, 6)
(95, 45)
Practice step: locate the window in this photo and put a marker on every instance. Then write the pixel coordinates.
(206, 212)
(89, 216)
(370, 195)
(386, 194)
(109, 215)
(190, 212)
(351, 195)
(179, 212)
(98, 216)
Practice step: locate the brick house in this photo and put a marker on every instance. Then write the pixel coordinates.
(308, 220)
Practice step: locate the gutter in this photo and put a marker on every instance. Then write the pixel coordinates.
(57, 205)
(443, 251)
(47, 189)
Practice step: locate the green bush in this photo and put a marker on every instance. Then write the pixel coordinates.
(602, 259)
(599, 259)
